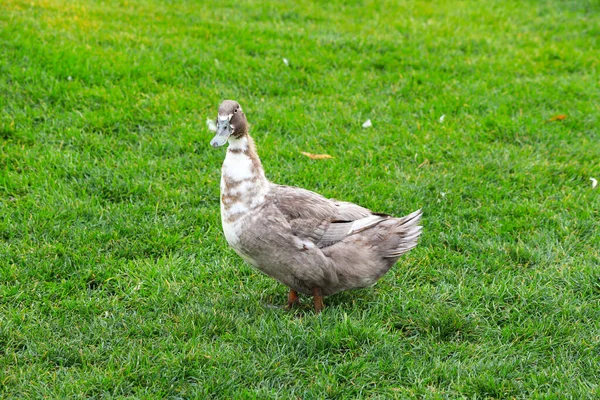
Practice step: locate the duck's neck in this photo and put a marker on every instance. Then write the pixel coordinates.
(243, 182)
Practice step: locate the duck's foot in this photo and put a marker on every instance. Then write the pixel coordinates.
(292, 299)
(318, 299)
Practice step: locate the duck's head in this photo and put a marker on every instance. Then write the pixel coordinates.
(231, 121)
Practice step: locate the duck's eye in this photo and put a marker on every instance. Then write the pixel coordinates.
(235, 110)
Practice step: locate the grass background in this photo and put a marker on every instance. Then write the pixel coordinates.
(116, 280)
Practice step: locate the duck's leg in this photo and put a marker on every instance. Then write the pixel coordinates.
(318, 299)
(292, 299)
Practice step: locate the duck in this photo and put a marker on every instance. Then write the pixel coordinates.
(313, 245)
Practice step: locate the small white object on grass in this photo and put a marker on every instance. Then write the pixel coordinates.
(211, 125)
(442, 118)
(594, 183)
(367, 124)
(286, 62)
(69, 78)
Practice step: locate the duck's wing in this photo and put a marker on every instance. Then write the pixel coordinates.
(322, 221)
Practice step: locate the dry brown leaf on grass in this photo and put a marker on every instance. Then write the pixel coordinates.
(557, 118)
(316, 156)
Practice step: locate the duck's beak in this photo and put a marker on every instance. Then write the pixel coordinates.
(224, 130)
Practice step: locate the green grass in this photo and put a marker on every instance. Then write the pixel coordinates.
(115, 277)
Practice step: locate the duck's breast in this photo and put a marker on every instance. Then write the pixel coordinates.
(243, 191)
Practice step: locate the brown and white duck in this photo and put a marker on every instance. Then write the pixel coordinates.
(311, 244)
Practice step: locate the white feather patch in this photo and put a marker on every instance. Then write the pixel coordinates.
(230, 231)
(237, 208)
(237, 166)
(364, 223)
(257, 200)
(211, 125)
(235, 144)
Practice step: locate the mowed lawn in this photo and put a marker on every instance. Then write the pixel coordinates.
(115, 277)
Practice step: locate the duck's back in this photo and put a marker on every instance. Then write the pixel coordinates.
(305, 240)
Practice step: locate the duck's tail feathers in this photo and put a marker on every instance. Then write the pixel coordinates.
(404, 235)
